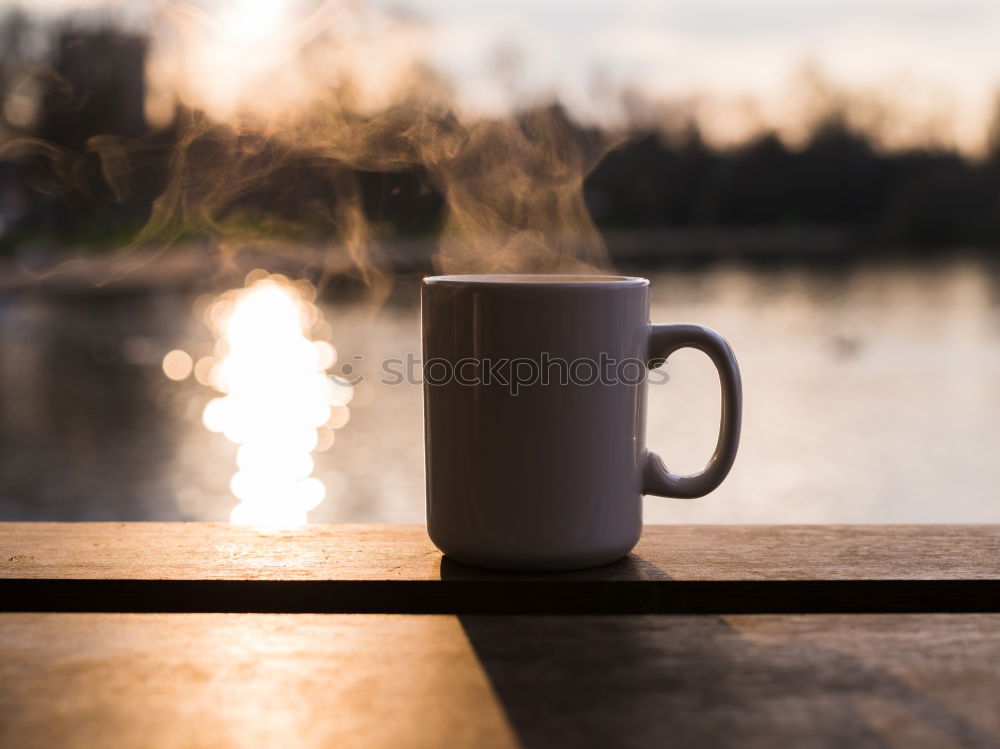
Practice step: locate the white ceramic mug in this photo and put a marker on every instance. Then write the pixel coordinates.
(533, 471)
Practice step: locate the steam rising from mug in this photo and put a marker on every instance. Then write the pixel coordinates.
(344, 87)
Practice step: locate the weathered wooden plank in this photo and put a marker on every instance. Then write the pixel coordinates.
(183, 680)
(394, 569)
(775, 681)
(105, 680)
(207, 551)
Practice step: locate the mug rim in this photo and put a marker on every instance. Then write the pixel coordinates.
(561, 280)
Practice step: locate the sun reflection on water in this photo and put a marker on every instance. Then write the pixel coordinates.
(278, 403)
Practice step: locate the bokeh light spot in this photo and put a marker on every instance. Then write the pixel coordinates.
(277, 403)
(177, 365)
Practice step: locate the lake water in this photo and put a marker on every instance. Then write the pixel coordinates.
(872, 394)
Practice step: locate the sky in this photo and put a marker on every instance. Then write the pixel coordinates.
(925, 69)
(927, 58)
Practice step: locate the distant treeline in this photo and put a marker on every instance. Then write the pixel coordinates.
(56, 191)
(916, 198)
(838, 181)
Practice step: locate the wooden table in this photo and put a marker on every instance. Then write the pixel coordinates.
(202, 635)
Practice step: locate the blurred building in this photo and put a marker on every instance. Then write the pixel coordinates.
(94, 84)
(99, 88)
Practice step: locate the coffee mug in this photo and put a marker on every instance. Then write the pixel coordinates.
(534, 417)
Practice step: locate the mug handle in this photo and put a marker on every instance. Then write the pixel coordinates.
(663, 341)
